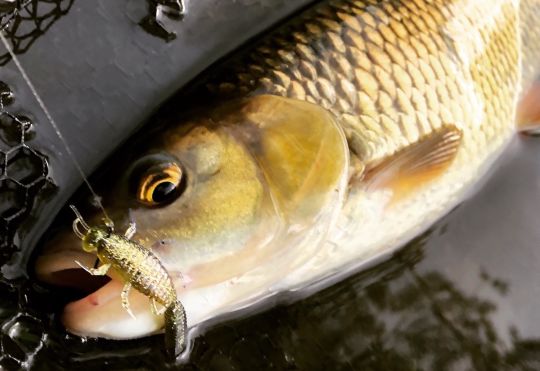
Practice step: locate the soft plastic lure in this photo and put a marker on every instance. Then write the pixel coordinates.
(140, 269)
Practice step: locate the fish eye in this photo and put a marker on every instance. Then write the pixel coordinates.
(161, 184)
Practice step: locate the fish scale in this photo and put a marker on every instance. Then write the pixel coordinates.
(530, 30)
(394, 71)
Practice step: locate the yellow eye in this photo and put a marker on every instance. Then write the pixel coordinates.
(161, 184)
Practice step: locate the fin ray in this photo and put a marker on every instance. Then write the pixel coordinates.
(416, 164)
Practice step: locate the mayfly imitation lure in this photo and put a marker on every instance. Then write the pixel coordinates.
(140, 269)
(138, 266)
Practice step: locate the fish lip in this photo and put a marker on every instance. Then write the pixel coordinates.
(99, 313)
(60, 255)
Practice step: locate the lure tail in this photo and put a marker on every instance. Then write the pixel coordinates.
(175, 329)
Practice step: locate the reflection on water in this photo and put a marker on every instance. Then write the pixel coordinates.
(28, 20)
(391, 317)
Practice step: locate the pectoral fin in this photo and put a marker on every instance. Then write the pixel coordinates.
(417, 164)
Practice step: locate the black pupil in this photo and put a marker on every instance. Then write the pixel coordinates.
(163, 192)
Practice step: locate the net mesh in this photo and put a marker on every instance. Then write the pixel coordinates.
(28, 20)
(23, 172)
(23, 176)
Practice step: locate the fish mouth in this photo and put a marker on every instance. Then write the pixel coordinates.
(100, 313)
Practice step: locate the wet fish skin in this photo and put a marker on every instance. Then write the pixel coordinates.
(393, 75)
(530, 41)
(396, 70)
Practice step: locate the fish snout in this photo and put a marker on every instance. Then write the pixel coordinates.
(100, 312)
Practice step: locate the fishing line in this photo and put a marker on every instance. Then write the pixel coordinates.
(97, 199)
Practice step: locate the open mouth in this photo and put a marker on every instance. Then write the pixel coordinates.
(100, 313)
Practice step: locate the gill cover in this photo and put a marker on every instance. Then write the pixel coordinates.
(303, 158)
(302, 152)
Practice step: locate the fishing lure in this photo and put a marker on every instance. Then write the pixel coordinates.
(139, 267)
(141, 270)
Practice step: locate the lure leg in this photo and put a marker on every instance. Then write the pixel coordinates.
(175, 329)
(99, 271)
(153, 307)
(125, 301)
(132, 229)
(155, 310)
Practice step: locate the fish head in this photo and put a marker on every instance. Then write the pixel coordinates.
(231, 200)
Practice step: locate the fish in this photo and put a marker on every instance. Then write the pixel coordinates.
(321, 146)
